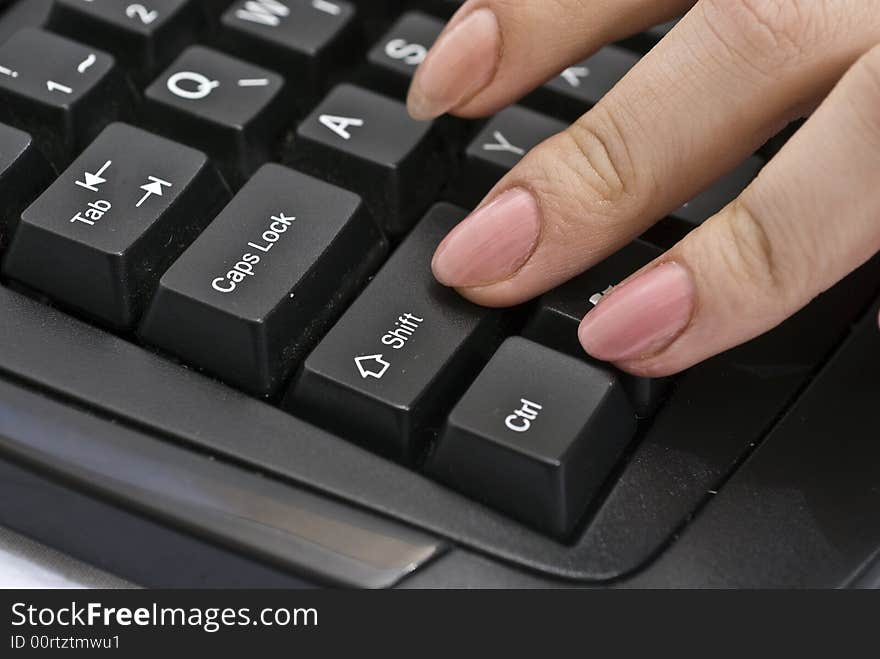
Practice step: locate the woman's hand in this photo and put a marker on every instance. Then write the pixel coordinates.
(726, 79)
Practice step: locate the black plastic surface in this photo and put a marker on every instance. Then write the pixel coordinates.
(804, 510)
(286, 528)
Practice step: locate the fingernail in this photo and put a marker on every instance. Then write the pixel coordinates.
(642, 317)
(460, 64)
(492, 243)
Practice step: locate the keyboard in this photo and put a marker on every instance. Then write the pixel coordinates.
(224, 359)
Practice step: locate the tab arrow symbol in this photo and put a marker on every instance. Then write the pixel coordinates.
(92, 181)
(151, 189)
(372, 366)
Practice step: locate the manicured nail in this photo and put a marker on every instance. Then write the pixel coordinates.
(492, 243)
(460, 64)
(642, 317)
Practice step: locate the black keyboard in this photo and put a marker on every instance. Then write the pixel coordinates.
(224, 359)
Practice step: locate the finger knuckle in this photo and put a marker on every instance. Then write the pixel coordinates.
(583, 176)
(748, 252)
(596, 151)
(767, 34)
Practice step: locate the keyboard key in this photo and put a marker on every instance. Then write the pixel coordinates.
(719, 194)
(398, 358)
(660, 31)
(502, 143)
(379, 9)
(145, 36)
(60, 91)
(306, 40)
(100, 237)
(642, 43)
(231, 109)
(444, 8)
(560, 311)
(398, 53)
(265, 279)
(24, 173)
(367, 143)
(670, 230)
(580, 87)
(536, 435)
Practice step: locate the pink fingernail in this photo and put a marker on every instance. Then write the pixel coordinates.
(491, 244)
(460, 64)
(642, 317)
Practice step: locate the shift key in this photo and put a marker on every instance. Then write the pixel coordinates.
(399, 358)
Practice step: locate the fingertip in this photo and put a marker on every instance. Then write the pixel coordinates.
(419, 106)
(461, 63)
(642, 317)
(491, 244)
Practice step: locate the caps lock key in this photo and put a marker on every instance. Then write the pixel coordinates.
(269, 274)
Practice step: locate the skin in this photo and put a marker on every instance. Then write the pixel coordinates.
(726, 79)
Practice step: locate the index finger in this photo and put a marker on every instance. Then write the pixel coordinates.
(493, 52)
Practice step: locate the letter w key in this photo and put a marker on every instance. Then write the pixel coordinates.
(264, 12)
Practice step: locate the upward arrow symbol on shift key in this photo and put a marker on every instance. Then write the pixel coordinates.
(372, 366)
(92, 181)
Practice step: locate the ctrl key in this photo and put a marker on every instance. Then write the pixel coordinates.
(536, 435)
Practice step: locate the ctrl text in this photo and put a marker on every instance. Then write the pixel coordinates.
(521, 420)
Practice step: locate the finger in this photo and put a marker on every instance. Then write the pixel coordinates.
(494, 51)
(809, 219)
(700, 102)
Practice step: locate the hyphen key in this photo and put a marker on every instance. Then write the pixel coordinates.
(266, 279)
(400, 356)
